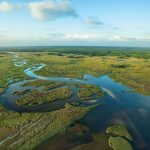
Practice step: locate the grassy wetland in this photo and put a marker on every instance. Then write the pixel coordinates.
(131, 71)
(17, 130)
(38, 98)
(77, 96)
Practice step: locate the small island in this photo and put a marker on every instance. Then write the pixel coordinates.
(40, 97)
(119, 138)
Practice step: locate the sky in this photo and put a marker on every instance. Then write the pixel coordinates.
(75, 23)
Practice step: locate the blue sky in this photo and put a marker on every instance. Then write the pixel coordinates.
(75, 22)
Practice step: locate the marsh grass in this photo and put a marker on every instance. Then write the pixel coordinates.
(30, 129)
(131, 71)
(9, 72)
(119, 130)
(119, 143)
(35, 128)
(135, 74)
(119, 138)
(40, 97)
(21, 92)
(87, 92)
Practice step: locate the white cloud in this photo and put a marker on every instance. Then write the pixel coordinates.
(43, 9)
(128, 38)
(5, 6)
(115, 38)
(93, 21)
(122, 38)
(72, 37)
(51, 9)
(78, 37)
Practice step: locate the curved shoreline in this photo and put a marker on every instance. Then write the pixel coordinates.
(103, 82)
(55, 105)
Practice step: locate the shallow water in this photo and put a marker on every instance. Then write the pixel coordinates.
(120, 104)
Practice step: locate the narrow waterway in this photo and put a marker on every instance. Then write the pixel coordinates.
(120, 104)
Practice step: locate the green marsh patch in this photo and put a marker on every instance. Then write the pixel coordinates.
(119, 138)
(35, 128)
(40, 97)
(86, 91)
(119, 143)
(119, 130)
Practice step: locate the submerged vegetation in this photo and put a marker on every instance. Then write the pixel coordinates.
(116, 140)
(98, 142)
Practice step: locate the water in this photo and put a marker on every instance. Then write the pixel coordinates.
(120, 104)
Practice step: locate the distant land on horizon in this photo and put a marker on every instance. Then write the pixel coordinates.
(49, 48)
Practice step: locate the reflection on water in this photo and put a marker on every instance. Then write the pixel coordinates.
(130, 108)
(119, 105)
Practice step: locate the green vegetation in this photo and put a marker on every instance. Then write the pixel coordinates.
(52, 86)
(21, 92)
(131, 71)
(46, 84)
(119, 130)
(120, 65)
(119, 137)
(1, 90)
(9, 73)
(116, 140)
(35, 83)
(27, 130)
(119, 143)
(31, 129)
(87, 92)
(122, 52)
(40, 97)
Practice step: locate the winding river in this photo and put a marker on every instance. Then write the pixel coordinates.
(120, 103)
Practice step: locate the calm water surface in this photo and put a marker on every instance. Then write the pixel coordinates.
(120, 104)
